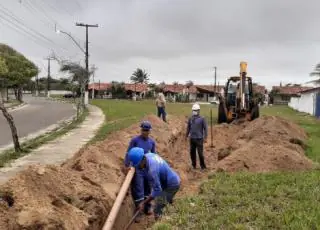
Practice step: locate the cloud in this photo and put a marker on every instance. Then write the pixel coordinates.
(182, 39)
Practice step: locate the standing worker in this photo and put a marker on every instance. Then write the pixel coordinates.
(198, 130)
(161, 106)
(140, 189)
(164, 182)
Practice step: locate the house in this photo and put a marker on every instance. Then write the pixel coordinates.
(101, 90)
(195, 92)
(104, 90)
(283, 94)
(307, 102)
(139, 89)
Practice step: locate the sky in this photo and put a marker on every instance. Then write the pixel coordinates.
(176, 40)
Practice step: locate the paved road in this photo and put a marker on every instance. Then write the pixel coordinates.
(37, 115)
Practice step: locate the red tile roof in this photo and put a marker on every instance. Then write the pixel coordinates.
(209, 88)
(100, 86)
(174, 88)
(136, 87)
(290, 90)
(128, 87)
(259, 89)
(311, 89)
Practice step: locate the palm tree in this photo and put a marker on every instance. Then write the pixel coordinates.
(79, 75)
(139, 76)
(189, 84)
(316, 73)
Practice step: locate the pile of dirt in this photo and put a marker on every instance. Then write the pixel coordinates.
(79, 194)
(266, 144)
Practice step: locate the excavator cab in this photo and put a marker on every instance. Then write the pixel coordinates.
(237, 101)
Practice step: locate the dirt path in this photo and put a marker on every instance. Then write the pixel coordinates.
(80, 193)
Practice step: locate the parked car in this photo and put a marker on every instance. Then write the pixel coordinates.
(68, 95)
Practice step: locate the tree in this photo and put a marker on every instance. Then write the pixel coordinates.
(139, 76)
(3, 72)
(316, 73)
(79, 75)
(20, 69)
(118, 89)
(189, 84)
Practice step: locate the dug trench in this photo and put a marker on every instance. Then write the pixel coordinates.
(80, 193)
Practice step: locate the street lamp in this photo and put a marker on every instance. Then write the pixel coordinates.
(85, 53)
(69, 35)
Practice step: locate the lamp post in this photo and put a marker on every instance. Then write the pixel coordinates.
(85, 102)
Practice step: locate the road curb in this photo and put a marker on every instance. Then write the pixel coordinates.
(46, 131)
(17, 107)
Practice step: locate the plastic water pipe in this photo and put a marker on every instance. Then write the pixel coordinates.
(117, 203)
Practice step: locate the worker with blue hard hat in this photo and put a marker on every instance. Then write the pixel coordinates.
(140, 189)
(163, 181)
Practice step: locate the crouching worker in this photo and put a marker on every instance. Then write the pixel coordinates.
(163, 181)
(140, 189)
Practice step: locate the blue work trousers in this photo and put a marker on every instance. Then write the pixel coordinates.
(162, 113)
(140, 188)
(165, 197)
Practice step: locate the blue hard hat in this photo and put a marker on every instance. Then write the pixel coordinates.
(146, 125)
(135, 156)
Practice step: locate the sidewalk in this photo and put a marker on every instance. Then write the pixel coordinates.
(59, 150)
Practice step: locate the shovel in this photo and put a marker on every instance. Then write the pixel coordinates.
(132, 219)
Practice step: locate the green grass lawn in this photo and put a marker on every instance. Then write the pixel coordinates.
(242, 200)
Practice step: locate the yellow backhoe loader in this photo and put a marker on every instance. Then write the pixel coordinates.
(237, 101)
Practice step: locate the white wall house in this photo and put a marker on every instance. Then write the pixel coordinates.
(308, 102)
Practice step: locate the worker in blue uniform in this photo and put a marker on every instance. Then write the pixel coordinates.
(140, 189)
(163, 181)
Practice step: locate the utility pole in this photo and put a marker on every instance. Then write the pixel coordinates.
(86, 95)
(37, 85)
(215, 81)
(49, 76)
(94, 68)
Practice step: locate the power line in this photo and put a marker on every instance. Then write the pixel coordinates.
(55, 22)
(53, 7)
(35, 11)
(15, 18)
(18, 29)
(22, 26)
(34, 39)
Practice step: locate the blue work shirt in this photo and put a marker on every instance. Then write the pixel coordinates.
(148, 145)
(197, 127)
(160, 175)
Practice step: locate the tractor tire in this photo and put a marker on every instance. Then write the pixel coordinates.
(255, 113)
(222, 117)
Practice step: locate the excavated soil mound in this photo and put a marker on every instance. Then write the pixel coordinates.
(80, 193)
(266, 144)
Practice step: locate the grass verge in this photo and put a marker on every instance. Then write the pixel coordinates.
(123, 113)
(250, 201)
(241, 200)
(28, 146)
(256, 201)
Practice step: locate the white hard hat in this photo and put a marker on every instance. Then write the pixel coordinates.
(196, 107)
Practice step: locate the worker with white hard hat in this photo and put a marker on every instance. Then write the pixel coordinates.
(197, 130)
